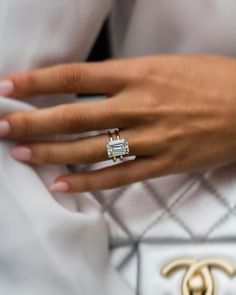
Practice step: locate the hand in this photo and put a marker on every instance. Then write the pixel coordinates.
(178, 113)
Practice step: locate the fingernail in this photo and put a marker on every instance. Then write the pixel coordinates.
(4, 128)
(21, 153)
(59, 187)
(6, 87)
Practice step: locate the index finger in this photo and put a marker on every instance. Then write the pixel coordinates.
(99, 77)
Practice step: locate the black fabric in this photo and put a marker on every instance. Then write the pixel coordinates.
(101, 48)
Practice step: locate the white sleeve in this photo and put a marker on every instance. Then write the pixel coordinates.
(45, 248)
(35, 33)
(39, 33)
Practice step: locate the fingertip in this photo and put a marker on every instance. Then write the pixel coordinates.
(5, 128)
(21, 153)
(6, 87)
(60, 186)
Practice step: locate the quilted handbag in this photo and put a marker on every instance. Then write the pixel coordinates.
(176, 233)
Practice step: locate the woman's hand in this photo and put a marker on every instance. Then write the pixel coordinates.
(177, 112)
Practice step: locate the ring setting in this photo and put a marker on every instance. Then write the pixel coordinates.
(117, 147)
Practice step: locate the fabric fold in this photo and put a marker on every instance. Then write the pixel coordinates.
(49, 244)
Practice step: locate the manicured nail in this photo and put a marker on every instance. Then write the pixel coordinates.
(4, 128)
(6, 87)
(59, 187)
(21, 153)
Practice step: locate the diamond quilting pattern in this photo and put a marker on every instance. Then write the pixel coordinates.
(129, 208)
(126, 260)
(226, 177)
(183, 199)
(193, 207)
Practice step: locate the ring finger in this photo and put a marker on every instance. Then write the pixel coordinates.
(83, 151)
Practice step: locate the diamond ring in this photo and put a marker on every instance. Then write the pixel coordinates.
(117, 147)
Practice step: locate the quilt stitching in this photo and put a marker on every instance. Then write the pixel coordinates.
(139, 267)
(128, 257)
(215, 192)
(109, 210)
(223, 219)
(115, 196)
(166, 210)
(139, 239)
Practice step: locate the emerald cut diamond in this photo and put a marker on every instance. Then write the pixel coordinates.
(117, 148)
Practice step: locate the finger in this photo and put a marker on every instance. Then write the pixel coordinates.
(66, 119)
(83, 151)
(98, 77)
(110, 177)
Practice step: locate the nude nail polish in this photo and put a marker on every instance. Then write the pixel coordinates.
(59, 187)
(6, 87)
(21, 153)
(4, 128)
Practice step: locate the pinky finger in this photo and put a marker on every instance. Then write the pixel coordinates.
(107, 178)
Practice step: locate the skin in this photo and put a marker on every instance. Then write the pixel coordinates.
(178, 113)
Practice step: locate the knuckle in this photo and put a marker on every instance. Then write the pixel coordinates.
(24, 84)
(85, 183)
(87, 155)
(90, 154)
(117, 180)
(71, 118)
(29, 82)
(46, 156)
(148, 110)
(42, 155)
(22, 126)
(150, 103)
(162, 165)
(70, 78)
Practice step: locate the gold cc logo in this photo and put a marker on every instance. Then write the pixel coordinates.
(198, 279)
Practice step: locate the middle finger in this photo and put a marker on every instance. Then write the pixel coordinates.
(65, 119)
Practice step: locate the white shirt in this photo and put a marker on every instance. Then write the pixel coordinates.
(36, 33)
(143, 27)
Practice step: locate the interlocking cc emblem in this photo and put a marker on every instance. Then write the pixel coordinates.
(198, 279)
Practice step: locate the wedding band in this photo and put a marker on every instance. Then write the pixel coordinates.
(117, 147)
